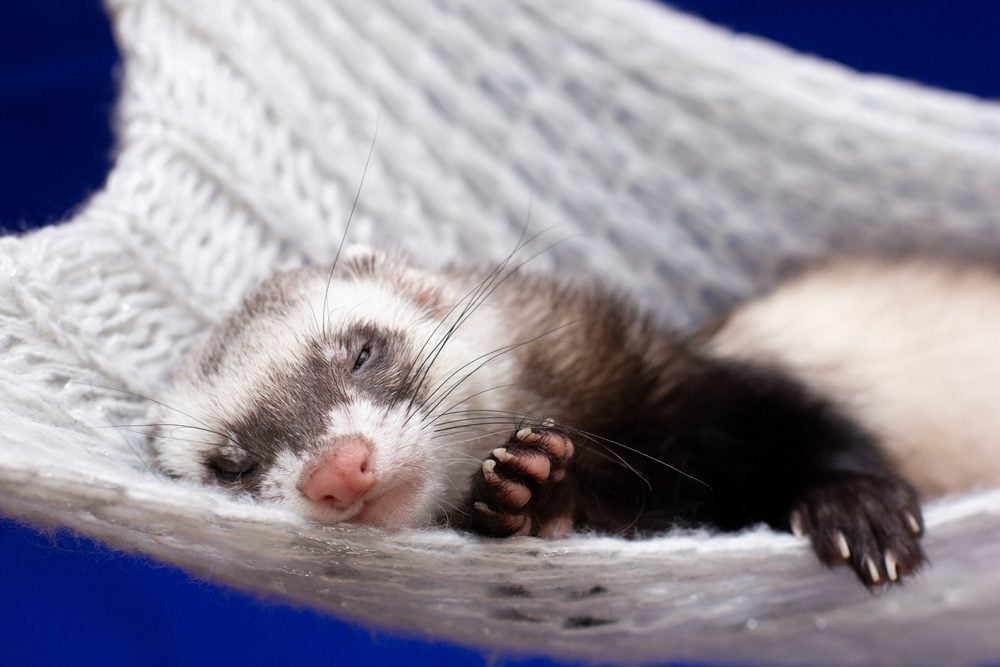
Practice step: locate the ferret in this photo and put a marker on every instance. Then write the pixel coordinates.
(506, 403)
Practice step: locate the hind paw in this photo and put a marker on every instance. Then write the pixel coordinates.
(520, 490)
(872, 525)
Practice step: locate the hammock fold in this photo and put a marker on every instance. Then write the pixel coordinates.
(689, 165)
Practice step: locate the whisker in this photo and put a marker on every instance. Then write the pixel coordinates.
(156, 436)
(135, 450)
(469, 397)
(179, 426)
(472, 295)
(594, 437)
(350, 217)
(492, 355)
(143, 397)
(467, 424)
(489, 285)
(487, 434)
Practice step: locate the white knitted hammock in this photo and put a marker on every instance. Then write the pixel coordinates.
(689, 163)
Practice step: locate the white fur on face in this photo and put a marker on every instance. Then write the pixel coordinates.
(910, 349)
(261, 344)
(420, 472)
(398, 461)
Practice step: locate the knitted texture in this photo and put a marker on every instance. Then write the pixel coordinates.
(689, 165)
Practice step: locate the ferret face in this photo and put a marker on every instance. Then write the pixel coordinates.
(315, 395)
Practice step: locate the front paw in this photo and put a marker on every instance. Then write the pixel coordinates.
(521, 488)
(872, 524)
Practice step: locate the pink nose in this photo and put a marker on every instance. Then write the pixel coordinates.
(343, 475)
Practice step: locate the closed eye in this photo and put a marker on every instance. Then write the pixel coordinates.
(363, 356)
(228, 472)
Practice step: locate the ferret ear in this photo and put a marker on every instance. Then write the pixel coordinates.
(423, 287)
(360, 259)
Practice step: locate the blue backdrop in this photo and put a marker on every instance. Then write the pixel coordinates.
(64, 599)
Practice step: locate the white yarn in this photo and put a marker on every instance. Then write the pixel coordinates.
(690, 163)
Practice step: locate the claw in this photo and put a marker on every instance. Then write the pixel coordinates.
(842, 545)
(872, 570)
(527, 435)
(890, 566)
(502, 455)
(796, 523)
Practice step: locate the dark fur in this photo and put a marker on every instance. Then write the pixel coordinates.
(754, 445)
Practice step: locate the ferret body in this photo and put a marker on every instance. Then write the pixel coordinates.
(507, 403)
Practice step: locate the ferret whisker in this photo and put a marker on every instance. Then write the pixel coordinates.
(466, 415)
(593, 437)
(135, 450)
(157, 436)
(323, 329)
(350, 311)
(471, 295)
(466, 425)
(443, 507)
(141, 396)
(620, 460)
(451, 505)
(428, 361)
(465, 399)
(474, 416)
(487, 434)
(494, 282)
(491, 357)
(493, 354)
(473, 425)
(178, 426)
(491, 283)
(627, 529)
(350, 218)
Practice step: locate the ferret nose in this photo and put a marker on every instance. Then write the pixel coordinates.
(344, 473)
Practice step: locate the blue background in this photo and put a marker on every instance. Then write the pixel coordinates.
(65, 599)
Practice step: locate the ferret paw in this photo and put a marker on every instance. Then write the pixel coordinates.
(520, 489)
(873, 525)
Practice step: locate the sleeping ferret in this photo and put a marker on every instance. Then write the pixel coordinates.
(506, 403)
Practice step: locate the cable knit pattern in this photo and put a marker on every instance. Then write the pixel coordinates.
(689, 165)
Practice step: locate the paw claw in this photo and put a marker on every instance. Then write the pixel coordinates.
(913, 523)
(842, 545)
(527, 435)
(502, 455)
(872, 570)
(890, 566)
(795, 520)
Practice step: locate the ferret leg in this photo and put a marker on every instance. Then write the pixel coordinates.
(767, 449)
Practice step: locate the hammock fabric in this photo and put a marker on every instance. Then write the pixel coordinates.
(690, 165)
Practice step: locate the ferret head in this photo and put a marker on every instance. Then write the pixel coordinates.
(316, 393)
